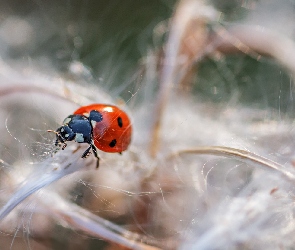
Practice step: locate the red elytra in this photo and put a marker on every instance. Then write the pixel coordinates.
(113, 133)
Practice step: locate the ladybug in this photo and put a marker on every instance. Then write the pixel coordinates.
(103, 127)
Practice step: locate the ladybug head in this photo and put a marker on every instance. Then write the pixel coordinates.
(64, 133)
(75, 127)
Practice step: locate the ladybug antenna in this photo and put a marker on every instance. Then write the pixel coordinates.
(52, 131)
(58, 138)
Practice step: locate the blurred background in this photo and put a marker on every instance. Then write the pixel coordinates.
(106, 42)
(100, 41)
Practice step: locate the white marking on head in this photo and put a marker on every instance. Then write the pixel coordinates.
(67, 120)
(93, 123)
(66, 135)
(79, 138)
(62, 130)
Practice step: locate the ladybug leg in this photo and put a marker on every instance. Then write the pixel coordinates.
(59, 139)
(95, 154)
(64, 146)
(86, 153)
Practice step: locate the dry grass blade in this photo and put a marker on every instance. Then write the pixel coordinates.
(238, 154)
(256, 42)
(91, 224)
(187, 38)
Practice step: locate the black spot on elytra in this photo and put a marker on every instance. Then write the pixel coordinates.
(95, 116)
(113, 143)
(120, 122)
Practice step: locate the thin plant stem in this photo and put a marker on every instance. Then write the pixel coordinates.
(238, 154)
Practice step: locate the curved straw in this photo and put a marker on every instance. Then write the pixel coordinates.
(76, 217)
(186, 12)
(47, 173)
(238, 154)
(24, 89)
(80, 219)
(256, 41)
